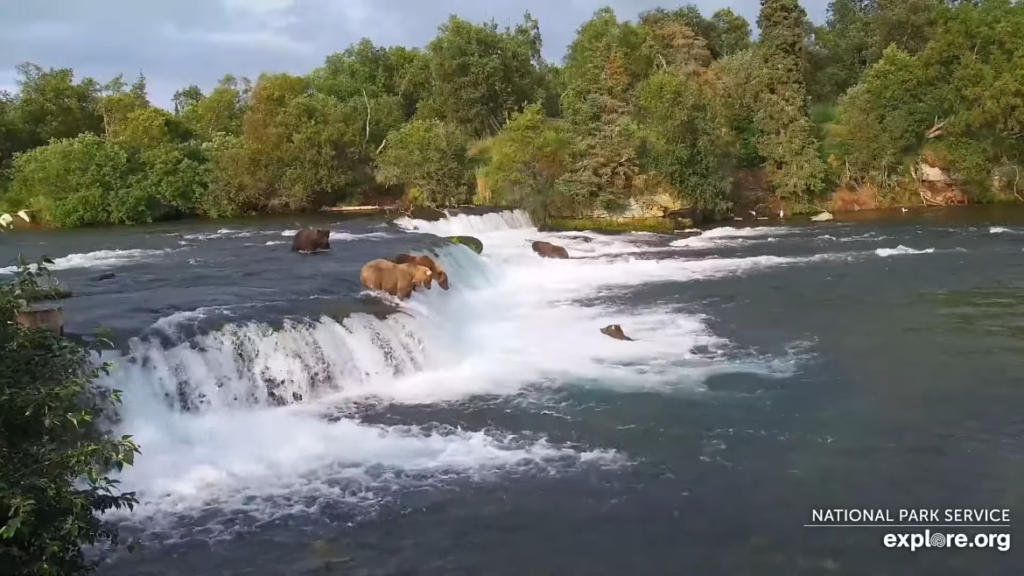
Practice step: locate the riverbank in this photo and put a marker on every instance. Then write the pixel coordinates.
(843, 210)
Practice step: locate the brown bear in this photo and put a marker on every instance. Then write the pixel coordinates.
(615, 331)
(440, 276)
(307, 241)
(395, 279)
(549, 250)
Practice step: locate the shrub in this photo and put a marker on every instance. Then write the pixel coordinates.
(54, 456)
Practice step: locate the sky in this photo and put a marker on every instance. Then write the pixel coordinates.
(176, 43)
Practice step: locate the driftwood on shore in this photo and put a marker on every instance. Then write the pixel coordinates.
(357, 208)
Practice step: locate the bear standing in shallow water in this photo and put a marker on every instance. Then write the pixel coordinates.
(395, 279)
(549, 250)
(438, 273)
(311, 241)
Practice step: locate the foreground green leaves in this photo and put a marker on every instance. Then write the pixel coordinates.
(54, 454)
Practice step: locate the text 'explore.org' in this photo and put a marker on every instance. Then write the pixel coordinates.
(917, 528)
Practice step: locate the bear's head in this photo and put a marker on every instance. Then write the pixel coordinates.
(422, 276)
(323, 239)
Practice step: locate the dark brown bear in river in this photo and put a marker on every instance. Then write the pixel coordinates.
(307, 241)
(440, 276)
(549, 250)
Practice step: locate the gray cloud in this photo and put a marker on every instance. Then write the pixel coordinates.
(197, 41)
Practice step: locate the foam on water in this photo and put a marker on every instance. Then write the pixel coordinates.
(901, 250)
(533, 323)
(341, 236)
(729, 236)
(1002, 230)
(100, 259)
(232, 423)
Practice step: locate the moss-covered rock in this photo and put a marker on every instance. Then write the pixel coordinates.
(470, 242)
(611, 226)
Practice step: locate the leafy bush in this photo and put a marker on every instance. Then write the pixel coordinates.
(54, 454)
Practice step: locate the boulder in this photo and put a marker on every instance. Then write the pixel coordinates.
(823, 217)
(427, 214)
(931, 173)
(470, 242)
(42, 315)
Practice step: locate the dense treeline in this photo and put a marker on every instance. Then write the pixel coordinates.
(674, 104)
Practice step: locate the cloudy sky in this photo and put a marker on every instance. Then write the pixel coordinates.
(181, 42)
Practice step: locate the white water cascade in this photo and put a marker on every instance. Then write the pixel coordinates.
(237, 420)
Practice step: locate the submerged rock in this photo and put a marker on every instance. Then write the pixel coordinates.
(470, 242)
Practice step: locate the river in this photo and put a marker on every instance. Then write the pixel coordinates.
(291, 423)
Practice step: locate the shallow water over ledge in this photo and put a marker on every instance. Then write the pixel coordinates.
(493, 430)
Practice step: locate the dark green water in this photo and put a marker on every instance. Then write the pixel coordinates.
(494, 430)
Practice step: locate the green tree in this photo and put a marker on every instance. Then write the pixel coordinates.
(429, 159)
(735, 85)
(676, 48)
(55, 454)
(361, 68)
(730, 33)
(688, 16)
(956, 101)
(70, 182)
(525, 161)
(857, 32)
(684, 141)
(50, 105)
(603, 49)
(221, 111)
(10, 130)
(295, 150)
(187, 97)
(480, 75)
(881, 122)
(787, 135)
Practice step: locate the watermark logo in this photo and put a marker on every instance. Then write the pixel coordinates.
(939, 526)
(928, 539)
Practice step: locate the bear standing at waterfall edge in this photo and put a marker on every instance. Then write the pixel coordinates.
(440, 276)
(395, 279)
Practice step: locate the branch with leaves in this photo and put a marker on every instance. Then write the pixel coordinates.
(57, 457)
